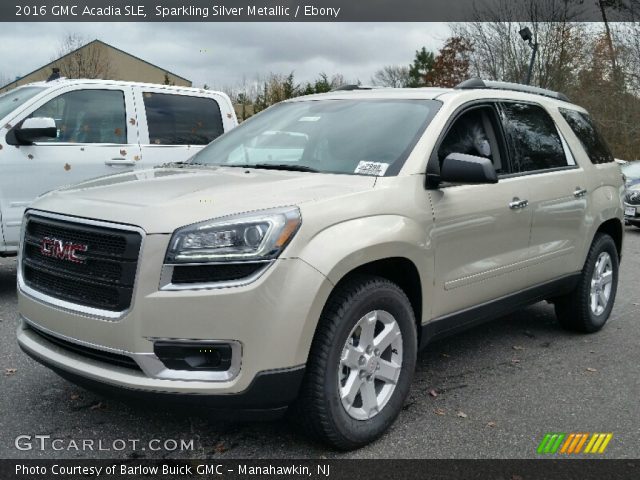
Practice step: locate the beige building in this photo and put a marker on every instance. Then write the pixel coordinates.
(100, 60)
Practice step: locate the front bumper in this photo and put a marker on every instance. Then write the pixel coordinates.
(632, 219)
(272, 320)
(270, 392)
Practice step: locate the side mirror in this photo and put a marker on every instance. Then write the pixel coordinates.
(34, 129)
(462, 168)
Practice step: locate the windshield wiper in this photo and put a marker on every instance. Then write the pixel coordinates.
(280, 166)
(185, 163)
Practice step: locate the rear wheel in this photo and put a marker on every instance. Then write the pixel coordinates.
(360, 365)
(588, 307)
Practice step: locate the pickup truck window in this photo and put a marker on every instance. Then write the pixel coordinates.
(14, 98)
(87, 116)
(331, 136)
(181, 119)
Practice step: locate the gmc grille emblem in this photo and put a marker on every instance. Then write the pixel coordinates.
(52, 247)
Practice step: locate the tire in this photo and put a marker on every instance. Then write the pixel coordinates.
(348, 317)
(576, 311)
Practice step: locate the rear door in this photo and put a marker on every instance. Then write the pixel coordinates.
(558, 197)
(481, 232)
(176, 124)
(94, 138)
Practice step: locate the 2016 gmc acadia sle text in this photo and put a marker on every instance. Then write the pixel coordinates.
(301, 260)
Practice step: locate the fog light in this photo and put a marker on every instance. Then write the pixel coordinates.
(214, 357)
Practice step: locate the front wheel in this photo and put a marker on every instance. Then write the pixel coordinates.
(588, 307)
(360, 365)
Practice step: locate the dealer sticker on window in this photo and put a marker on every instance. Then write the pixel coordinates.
(372, 168)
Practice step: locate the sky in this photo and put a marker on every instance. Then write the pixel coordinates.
(224, 55)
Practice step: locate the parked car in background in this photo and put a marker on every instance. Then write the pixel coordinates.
(303, 258)
(631, 175)
(65, 131)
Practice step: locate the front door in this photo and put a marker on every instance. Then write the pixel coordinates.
(96, 136)
(481, 232)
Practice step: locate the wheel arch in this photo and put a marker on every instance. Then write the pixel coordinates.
(399, 270)
(393, 247)
(613, 227)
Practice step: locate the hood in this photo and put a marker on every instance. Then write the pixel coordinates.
(162, 199)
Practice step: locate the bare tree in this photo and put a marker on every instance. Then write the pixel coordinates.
(79, 58)
(627, 44)
(338, 79)
(396, 76)
(596, 64)
(500, 54)
(614, 105)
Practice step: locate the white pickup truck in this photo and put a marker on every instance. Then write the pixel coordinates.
(65, 131)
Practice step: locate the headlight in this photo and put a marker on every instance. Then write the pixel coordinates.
(251, 236)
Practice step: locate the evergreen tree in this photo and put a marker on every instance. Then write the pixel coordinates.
(421, 67)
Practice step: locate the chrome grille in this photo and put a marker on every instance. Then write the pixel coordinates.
(102, 276)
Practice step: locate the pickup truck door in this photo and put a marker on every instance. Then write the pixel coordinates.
(481, 232)
(96, 136)
(176, 124)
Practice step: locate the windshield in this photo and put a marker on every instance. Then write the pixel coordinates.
(14, 98)
(631, 171)
(332, 136)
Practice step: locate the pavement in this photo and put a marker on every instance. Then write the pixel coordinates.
(491, 392)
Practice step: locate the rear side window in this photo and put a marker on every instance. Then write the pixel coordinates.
(182, 120)
(586, 131)
(533, 138)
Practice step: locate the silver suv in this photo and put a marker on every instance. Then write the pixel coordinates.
(301, 260)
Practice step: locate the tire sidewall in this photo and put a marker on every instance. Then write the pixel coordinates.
(603, 244)
(381, 297)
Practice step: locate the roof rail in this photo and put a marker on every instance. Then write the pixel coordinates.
(474, 83)
(348, 87)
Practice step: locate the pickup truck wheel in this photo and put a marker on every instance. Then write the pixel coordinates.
(588, 307)
(360, 365)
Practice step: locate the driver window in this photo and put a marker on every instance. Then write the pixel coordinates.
(87, 116)
(472, 134)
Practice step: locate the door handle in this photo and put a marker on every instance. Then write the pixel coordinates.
(579, 192)
(517, 204)
(119, 162)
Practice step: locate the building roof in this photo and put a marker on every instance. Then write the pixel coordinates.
(52, 63)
